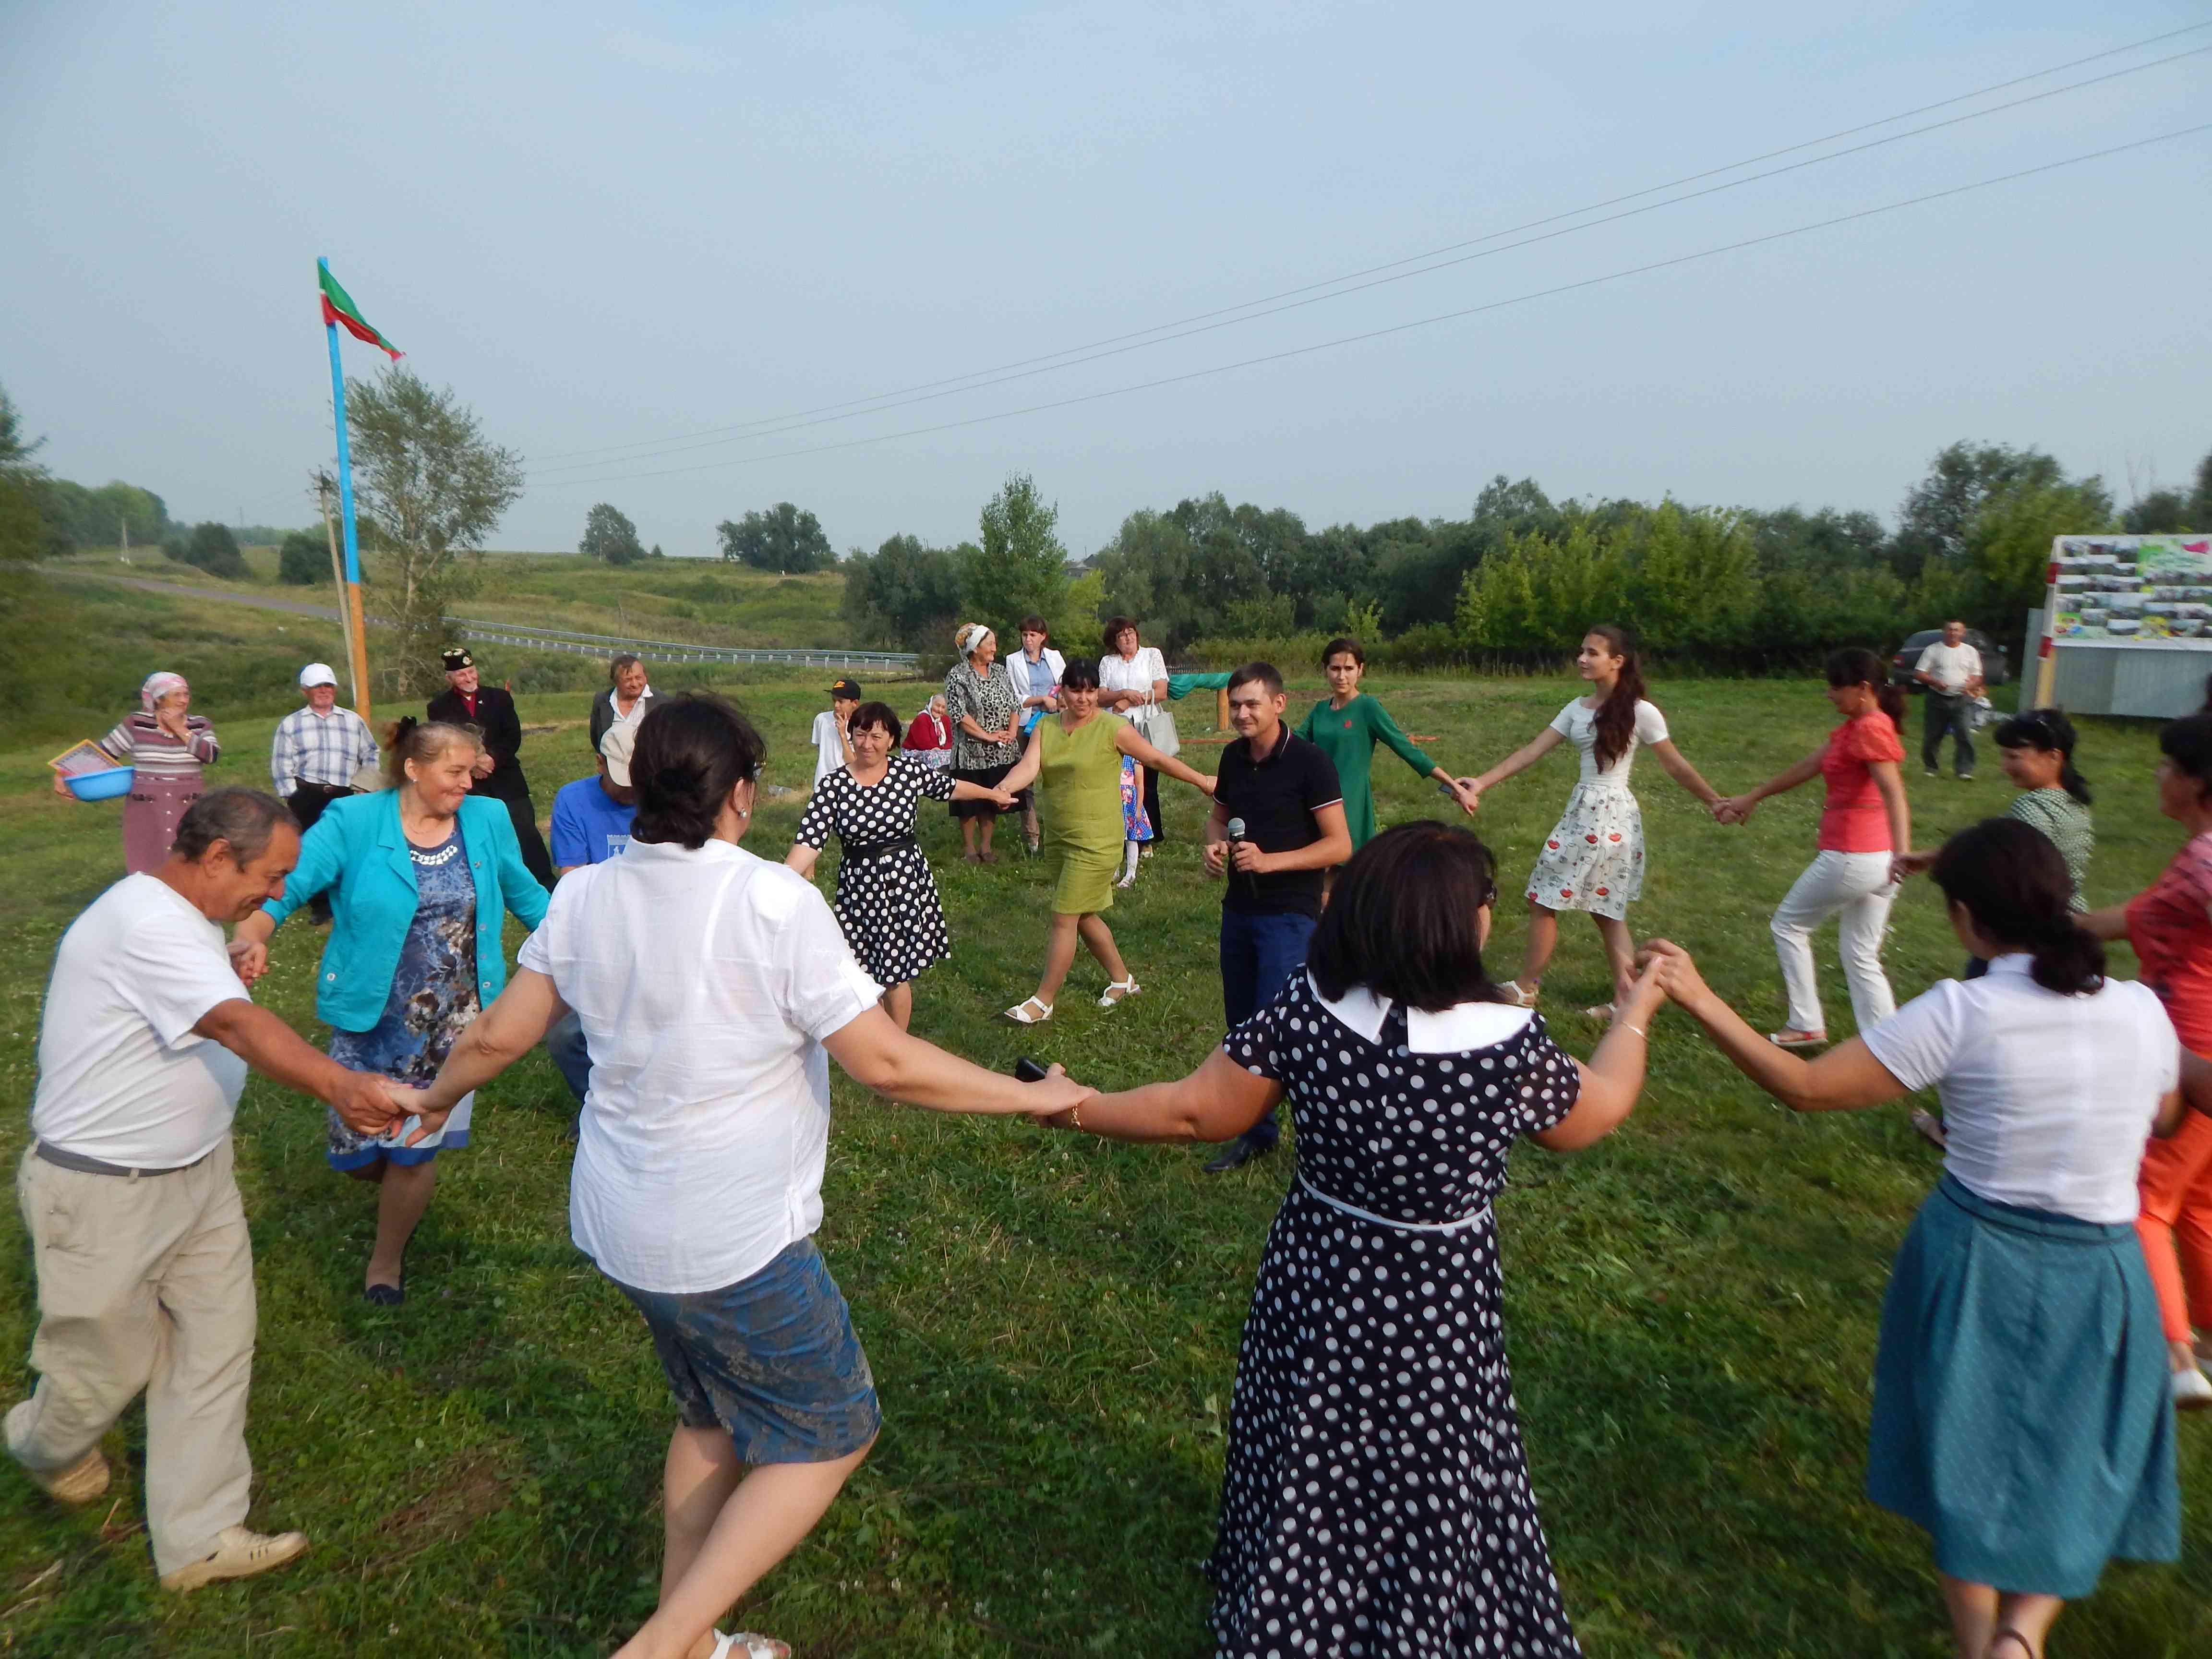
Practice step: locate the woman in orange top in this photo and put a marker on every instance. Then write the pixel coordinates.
(1865, 828)
(2169, 924)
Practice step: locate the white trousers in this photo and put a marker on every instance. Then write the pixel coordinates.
(1857, 886)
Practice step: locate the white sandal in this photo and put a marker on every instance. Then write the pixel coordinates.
(1795, 1040)
(1127, 988)
(1020, 1014)
(727, 1646)
(1517, 996)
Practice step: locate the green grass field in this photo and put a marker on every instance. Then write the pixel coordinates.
(1053, 1321)
(696, 601)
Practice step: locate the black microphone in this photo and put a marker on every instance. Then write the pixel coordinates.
(1028, 1071)
(1234, 830)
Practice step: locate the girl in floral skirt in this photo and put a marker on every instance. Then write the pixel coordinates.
(1593, 860)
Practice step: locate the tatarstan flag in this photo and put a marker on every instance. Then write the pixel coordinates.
(338, 307)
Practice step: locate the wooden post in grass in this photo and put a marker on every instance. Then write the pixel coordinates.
(324, 486)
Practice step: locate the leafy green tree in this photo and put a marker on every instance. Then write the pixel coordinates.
(303, 560)
(904, 594)
(2008, 548)
(784, 537)
(1021, 566)
(2157, 513)
(211, 547)
(1791, 538)
(611, 537)
(27, 622)
(657, 553)
(23, 533)
(2200, 499)
(1933, 519)
(430, 488)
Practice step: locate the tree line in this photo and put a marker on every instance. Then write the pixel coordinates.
(1729, 587)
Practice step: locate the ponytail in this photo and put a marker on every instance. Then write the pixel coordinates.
(2049, 731)
(2011, 880)
(1614, 727)
(1856, 665)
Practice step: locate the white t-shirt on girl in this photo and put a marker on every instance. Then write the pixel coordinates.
(1577, 724)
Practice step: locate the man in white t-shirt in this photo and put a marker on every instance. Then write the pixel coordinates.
(833, 744)
(145, 1270)
(1952, 671)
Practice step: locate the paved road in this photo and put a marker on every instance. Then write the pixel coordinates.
(295, 607)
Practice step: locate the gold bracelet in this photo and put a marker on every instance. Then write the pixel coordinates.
(1075, 1116)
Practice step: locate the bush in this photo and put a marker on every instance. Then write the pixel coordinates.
(209, 547)
(303, 560)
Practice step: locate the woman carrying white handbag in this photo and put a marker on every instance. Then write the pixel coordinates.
(1132, 681)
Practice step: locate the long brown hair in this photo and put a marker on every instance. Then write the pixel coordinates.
(1615, 725)
(1856, 665)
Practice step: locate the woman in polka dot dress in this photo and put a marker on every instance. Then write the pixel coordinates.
(1377, 1502)
(887, 900)
(1593, 860)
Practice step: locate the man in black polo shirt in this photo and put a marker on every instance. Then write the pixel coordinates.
(1284, 790)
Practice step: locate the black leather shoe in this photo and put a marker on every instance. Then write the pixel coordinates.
(1238, 1153)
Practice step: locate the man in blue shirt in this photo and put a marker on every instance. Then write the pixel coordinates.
(590, 824)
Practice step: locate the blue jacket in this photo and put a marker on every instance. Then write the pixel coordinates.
(357, 853)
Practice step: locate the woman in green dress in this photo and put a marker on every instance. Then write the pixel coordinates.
(1076, 755)
(1349, 725)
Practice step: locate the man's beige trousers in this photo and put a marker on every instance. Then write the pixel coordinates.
(144, 1283)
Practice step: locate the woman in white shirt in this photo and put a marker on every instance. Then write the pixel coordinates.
(1133, 681)
(1593, 860)
(713, 986)
(2020, 1411)
(1035, 671)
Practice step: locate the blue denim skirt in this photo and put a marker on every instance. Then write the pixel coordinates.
(2020, 1406)
(771, 1359)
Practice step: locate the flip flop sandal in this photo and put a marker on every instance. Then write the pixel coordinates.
(1020, 1014)
(1794, 1040)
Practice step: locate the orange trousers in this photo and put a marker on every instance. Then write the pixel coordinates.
(2175, 1224)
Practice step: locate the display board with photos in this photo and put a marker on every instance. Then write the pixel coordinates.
(2132, 590)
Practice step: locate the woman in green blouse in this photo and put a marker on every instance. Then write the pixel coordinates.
(1349, 725)
(1076, 755)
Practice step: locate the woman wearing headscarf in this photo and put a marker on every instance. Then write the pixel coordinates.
(167, 746)
(421, 876)
(985, 716)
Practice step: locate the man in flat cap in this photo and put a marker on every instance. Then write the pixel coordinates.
(490, 711)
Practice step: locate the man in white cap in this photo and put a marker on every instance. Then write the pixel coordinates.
(590, 824)
(317, 751)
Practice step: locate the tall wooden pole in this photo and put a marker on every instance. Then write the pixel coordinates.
(324, 486)
(356, 633)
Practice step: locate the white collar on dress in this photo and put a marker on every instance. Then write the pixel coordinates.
(1454, 1031)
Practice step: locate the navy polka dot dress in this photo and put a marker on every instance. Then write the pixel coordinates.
(1377, 1502)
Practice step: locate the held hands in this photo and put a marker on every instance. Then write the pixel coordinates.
(1464, 791)
(1675, 971)
(368, 1104)
(1734, 809)
(1005, 800)
(249, 959)
(483, 765)
(1205, 784)
(1056, 1095)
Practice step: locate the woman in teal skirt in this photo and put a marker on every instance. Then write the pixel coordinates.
(2020, 1406)
(1347, 725)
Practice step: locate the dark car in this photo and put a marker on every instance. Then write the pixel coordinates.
(1995, 671)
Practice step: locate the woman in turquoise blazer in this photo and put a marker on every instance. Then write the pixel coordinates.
(420, 878)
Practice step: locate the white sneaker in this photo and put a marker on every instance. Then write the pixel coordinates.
(239, 1553)
(2192, 1390)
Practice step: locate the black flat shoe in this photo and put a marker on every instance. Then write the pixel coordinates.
(1237, 1154)
(385, 1295)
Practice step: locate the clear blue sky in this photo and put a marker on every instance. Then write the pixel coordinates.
(603, 225)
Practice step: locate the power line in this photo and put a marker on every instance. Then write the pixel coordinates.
(1420, 322)
(606, 450)
(795, 425)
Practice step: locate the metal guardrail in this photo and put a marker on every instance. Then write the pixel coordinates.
(601, 645)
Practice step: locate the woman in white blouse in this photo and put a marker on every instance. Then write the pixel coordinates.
(2020, 1411)
(1133, 681)
(713, 989)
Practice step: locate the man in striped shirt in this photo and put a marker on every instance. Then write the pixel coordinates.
(317, 751)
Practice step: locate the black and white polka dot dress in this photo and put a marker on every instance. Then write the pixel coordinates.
(886, 901)
(1377, 1502)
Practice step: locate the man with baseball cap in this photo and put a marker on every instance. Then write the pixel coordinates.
(468, 701)
(833, 744)
(317, 751)
(590, 824)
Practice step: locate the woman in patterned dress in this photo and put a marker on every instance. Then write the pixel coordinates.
(421, 876)
(1593, 860)
(886, 900)
(1377, 1500)
(986, 717)
(167, 746)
